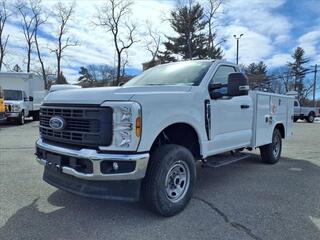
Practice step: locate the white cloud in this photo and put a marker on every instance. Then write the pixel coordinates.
(310, 43)
(259, 16)
(277, 60)
(253, 47)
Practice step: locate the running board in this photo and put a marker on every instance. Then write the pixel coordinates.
(223, 159)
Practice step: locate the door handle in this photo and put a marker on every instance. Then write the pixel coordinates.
(244, 106)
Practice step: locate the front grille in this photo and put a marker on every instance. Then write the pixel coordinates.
(88, 126)
(7, 107)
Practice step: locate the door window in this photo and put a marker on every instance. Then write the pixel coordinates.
(222, 74)
(296, 104)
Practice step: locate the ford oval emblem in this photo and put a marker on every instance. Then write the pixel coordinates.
(57, 123)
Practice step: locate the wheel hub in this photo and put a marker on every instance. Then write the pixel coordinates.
(276, 146)
(177, 181)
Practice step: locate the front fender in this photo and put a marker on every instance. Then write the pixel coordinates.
(159, 124)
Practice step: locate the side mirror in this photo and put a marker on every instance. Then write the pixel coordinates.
(31, 99)
(237, 84)
(216, 95)
(217, 90)
(215, 86)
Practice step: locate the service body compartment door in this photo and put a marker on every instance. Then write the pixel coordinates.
(263, 126)
(290, 115)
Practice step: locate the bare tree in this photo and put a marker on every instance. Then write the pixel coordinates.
(124, 63)
(28, 27)
(112, 17)
(37, 12)
(63, 14)
(153, 42)
(4, 15)
(211, 13)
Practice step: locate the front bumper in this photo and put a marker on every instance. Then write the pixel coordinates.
(95, 159)
(2, 116)
(12, 114)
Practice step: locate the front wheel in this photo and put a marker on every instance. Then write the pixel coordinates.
(20, 119)
(271, 153)
(170, 178)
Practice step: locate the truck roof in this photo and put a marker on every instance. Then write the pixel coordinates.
(17, 74)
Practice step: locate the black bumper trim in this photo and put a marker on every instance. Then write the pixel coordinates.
(125, 190)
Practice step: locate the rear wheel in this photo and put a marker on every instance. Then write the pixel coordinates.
(170, 178)
(310, 117)
(271, 153)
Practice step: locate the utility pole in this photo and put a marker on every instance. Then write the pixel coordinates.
(238, 39)
(315, 84)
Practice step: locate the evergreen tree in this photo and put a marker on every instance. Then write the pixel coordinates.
(257, 75)
(17, 68)
(85, 75)
(297, 69)
(62, 79)
(188, 22)
(166, 56)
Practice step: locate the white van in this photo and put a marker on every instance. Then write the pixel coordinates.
(23, 95)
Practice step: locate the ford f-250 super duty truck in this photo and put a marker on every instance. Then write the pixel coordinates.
(305, 113)
(142, 140)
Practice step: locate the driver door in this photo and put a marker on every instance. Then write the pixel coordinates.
(231, 117)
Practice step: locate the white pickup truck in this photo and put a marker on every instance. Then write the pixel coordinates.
(142, 140)
(305, 113)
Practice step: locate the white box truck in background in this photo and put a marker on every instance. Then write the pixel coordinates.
(23, 95)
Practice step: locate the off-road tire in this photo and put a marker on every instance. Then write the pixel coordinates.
(155, 188)
(310, 117)
(21, 118)
(268, 153)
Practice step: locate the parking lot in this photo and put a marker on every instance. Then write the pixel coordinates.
(246, 200)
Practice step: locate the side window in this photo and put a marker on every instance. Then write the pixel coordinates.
(296, 104)
(221, 75)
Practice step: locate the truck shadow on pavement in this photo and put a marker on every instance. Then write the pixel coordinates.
(254, 200)
(4, 124)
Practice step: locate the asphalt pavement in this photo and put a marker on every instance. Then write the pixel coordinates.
(245, 200)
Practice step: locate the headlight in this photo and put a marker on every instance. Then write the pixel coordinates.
(15, 108)
(126, 125)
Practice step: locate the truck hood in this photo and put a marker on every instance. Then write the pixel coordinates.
(100, 95)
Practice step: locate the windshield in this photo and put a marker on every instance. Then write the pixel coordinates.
(12, 95)
(181, 73)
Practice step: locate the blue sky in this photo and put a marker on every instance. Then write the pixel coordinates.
(272, 30)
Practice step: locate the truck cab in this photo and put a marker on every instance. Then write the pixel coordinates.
(142, 140)
(17, 105)
(305, 113)
(23, 94)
